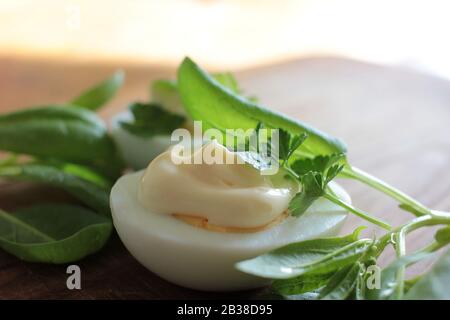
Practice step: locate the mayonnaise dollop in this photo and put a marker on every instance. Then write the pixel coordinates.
(227, 195)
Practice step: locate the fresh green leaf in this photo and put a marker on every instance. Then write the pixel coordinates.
(151, 119)
(288, 144)
(320, 164)
(86, 191)
(342, 283)
(434, 285)
(53, 233)
(318, 256)
(314, 175)
(80, 171)
(97, 96)
(65, 133)
(301, 284)
(207, 100)
(311, 191)
(261, 149)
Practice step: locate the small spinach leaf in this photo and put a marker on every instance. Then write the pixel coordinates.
(97, 96)
(65, 133)
(151, 119)
(89, 193)
(53, 233)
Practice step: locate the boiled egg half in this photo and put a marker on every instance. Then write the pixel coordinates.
(190, 223)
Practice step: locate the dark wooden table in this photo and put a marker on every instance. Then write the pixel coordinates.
(396, 123)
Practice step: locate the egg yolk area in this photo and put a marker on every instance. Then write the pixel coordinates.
(225, 197)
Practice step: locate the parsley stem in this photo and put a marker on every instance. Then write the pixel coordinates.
(416, 223)
(400, 249)
(360, 175)
(357, 212)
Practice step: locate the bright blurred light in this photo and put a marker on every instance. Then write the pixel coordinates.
(229, 34)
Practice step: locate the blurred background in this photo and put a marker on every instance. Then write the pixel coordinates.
(234, 34)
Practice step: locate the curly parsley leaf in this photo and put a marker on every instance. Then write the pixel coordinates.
(151, 119)
(288, 143)
(314, 175)
(263, 151)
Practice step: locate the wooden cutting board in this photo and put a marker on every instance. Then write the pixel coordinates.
(396, 123)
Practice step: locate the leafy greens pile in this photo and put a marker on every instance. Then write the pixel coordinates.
(65, 146)
(331, 268)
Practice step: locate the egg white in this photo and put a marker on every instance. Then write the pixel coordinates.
(136, 151)
(200, 259)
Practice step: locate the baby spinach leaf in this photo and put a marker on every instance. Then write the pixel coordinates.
(434, 285)
(66, 133)
(90, 193)
(53, 233)
(151, 119)
(342, 283)
(80, 171)
(301, 284)
(96, 97)
(318, 256)
(207, 100)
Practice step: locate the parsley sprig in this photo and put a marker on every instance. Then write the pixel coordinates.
(313, 174)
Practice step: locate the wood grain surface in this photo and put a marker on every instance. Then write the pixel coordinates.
(396, 124)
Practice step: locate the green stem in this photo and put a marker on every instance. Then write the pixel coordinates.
(400, 249)
(416, 223)
(358, 174)
(356, 211)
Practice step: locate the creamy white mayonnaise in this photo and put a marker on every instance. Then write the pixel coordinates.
(227, 195)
